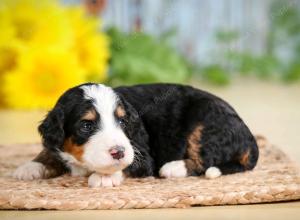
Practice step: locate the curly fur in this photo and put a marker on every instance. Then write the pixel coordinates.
(164, 123)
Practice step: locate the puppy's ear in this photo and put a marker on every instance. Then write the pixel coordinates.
(135, 129)
(134, 122)
(139, 138)
(52, 129)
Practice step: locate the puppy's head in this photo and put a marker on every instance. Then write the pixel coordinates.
(88, 127)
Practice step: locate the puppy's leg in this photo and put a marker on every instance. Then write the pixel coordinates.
(192, 164)
(99, 180)
(184, 168)
(45, 165)
(30, 170)
(246, 160)
(78, 170)
(232, 167)
(242, 165)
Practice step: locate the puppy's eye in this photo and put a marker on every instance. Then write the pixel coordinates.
(86, 126)
(121, 121)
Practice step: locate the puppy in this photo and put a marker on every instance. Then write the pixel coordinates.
(164, 130)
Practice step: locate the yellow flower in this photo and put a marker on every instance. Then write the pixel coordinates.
(8, 46)
(90, 46)
(38, 22)
(93, 55)
(8, 58)
(42, 76)
(24, 23)
(46, 48)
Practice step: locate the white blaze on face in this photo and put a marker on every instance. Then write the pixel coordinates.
(96, 154)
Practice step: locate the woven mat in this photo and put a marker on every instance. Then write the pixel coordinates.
(275, 178)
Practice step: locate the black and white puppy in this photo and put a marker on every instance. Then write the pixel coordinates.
(163, 130)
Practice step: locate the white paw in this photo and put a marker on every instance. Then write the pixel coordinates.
(30, 170)
(78, 171)
(212, 172)
(98, 180)
(173, 169)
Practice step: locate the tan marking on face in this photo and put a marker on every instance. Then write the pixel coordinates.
(73, 149)
(244, 160)
(120, 112)
(90, 115)
(194, 162)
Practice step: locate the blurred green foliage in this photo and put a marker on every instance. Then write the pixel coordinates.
(215, 74)
(141, 58)
(284, 34)
(245, 63)
(285, 28)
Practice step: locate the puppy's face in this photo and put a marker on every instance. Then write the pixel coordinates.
(93, 121)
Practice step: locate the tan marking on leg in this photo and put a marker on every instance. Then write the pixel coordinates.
(244, 160)
(194, 162)
(90, 115)
(190, 165)
(73, 149)
(54, 167)
(120, 112)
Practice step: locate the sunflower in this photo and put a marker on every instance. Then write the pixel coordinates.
(8, 44)
(38, 22)
(27, 23)
(42, 76)
(93, 55)
(46, 48)
(91, 48)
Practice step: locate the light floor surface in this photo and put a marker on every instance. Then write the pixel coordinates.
(271, 109)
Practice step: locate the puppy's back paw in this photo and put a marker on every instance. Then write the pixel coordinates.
(172, 169)
(213, 172)
(30, 171)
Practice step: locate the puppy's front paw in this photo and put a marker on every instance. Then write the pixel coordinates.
(98, 180)
(30, 170)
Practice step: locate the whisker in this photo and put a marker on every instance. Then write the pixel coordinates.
(138, 157)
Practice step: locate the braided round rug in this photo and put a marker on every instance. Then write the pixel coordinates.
(275, 178)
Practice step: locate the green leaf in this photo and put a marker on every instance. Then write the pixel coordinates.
(216, 74)
(140, 58)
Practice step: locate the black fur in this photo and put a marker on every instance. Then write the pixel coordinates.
(159, 118)
(169, 113)
(139, 138)
(64, 120)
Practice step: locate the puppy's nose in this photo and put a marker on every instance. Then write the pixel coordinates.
(117, 152)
